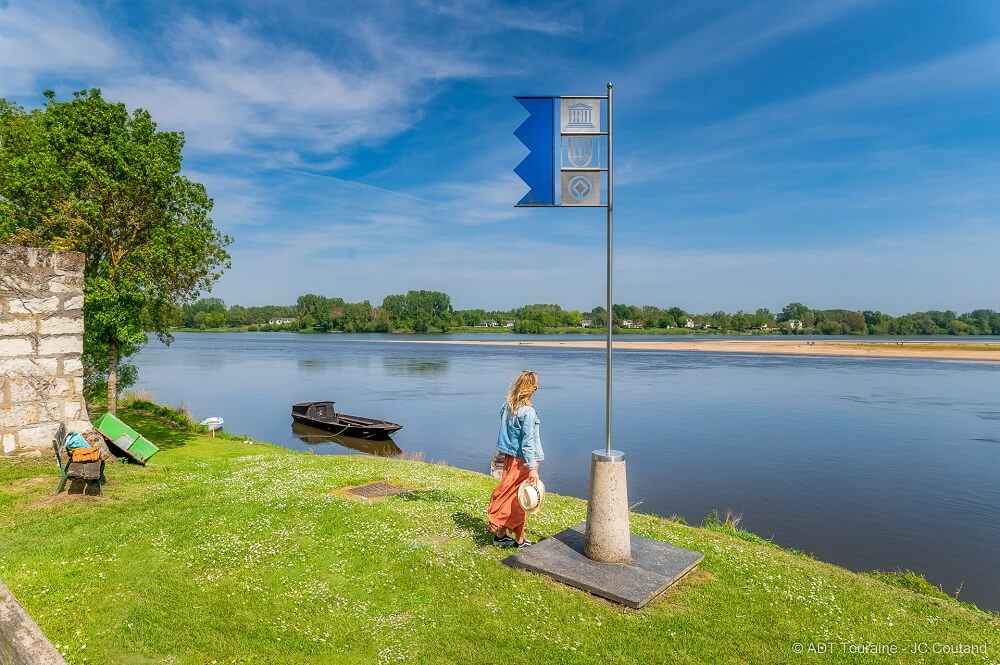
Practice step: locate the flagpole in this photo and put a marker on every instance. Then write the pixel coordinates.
(610, 313)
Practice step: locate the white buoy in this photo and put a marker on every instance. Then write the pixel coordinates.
(214, 423)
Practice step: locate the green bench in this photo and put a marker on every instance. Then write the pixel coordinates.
(89, 472)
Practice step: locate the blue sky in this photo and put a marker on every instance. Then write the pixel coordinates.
(843, 154)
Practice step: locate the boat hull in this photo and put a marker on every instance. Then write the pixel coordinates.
(346, 425)
(311, 436)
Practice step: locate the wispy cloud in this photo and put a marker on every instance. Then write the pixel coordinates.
(235, 91)
(735, 36)
(39, 40)
(972, 69)
(495, 16)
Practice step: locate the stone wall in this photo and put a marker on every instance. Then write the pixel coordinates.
(41, 343)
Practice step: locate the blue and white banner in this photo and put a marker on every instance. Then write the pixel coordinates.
(537, 170)
(567, 130)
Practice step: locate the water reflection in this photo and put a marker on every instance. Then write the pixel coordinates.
(333, 362)
(395, 366)
(318, 437)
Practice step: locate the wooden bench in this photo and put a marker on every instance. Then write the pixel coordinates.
(89, 472)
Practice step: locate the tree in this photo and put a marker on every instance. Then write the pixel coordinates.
(86, 175)
(793, 310)
(678, 315)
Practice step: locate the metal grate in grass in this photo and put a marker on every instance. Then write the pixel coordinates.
(378, 490)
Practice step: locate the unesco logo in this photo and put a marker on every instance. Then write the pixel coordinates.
(579, 187)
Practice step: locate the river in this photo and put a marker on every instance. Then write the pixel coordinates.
(867, 463)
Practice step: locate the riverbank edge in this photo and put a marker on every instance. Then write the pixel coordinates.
(832, 348)
(198, 454)
(753, 344)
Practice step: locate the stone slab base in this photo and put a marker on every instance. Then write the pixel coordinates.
(655, 566)
(21, 641)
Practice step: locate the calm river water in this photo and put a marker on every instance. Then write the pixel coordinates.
(887, 464)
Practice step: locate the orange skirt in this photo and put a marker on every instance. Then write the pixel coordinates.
(505, 511)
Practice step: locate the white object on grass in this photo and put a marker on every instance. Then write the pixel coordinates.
(214, 423)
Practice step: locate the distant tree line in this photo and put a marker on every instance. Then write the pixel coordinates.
(431, 311)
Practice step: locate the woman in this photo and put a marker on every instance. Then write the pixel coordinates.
(521, 446)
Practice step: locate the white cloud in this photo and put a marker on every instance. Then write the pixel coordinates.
(940, 270)
(38, 40)
(234, 91)
(493, 16)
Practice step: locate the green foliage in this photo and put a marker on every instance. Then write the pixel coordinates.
(177, 418)
(730, 524)
(86, 175)
(915, 582)
(430, 311)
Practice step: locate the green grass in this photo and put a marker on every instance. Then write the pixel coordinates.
(231, 552)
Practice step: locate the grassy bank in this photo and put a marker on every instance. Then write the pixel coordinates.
(231, 552)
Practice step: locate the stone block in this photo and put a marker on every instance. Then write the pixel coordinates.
(80, 426)
(54, 346)
(653, 567)
(48, 305)
(18, 415)
(66, 284)
(10, 367)
(38, 436)
(61, 325)
(71, 410)
(18, 327)
(40, 258)
(78, 384)
(71, 366)
(37, 388)
(12, 347)
(71, 261)
(27, 284)
(76, 302)
(9, 444)
(30, 453)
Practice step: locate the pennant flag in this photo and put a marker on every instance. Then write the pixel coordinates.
(537, 170)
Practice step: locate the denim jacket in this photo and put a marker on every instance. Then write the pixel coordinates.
(519, 435)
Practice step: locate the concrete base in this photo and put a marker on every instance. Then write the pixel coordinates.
(654, 567)
(608, 532)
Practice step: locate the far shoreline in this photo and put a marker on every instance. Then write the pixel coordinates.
(929, 350)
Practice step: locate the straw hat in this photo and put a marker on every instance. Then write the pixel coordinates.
(531, 495)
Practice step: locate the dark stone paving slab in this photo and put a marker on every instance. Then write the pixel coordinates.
(378, 490)
(654, 567)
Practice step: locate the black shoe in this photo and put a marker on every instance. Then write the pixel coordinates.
(506, 541)
(524, 543)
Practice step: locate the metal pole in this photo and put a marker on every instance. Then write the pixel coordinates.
(610, 313)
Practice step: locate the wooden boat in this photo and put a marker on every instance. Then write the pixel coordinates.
(323, 416)
(313, 436)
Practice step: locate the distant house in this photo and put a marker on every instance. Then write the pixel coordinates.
(688, 323)
(491, 323)
(280, 321)
(794, 324)
(629, 323)
(508, 324)
(586, 323)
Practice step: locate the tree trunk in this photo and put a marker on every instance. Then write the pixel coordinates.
(112, 376)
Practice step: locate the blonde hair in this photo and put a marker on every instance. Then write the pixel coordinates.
(521, 391)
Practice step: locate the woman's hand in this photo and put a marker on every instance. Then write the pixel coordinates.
(533, 473)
